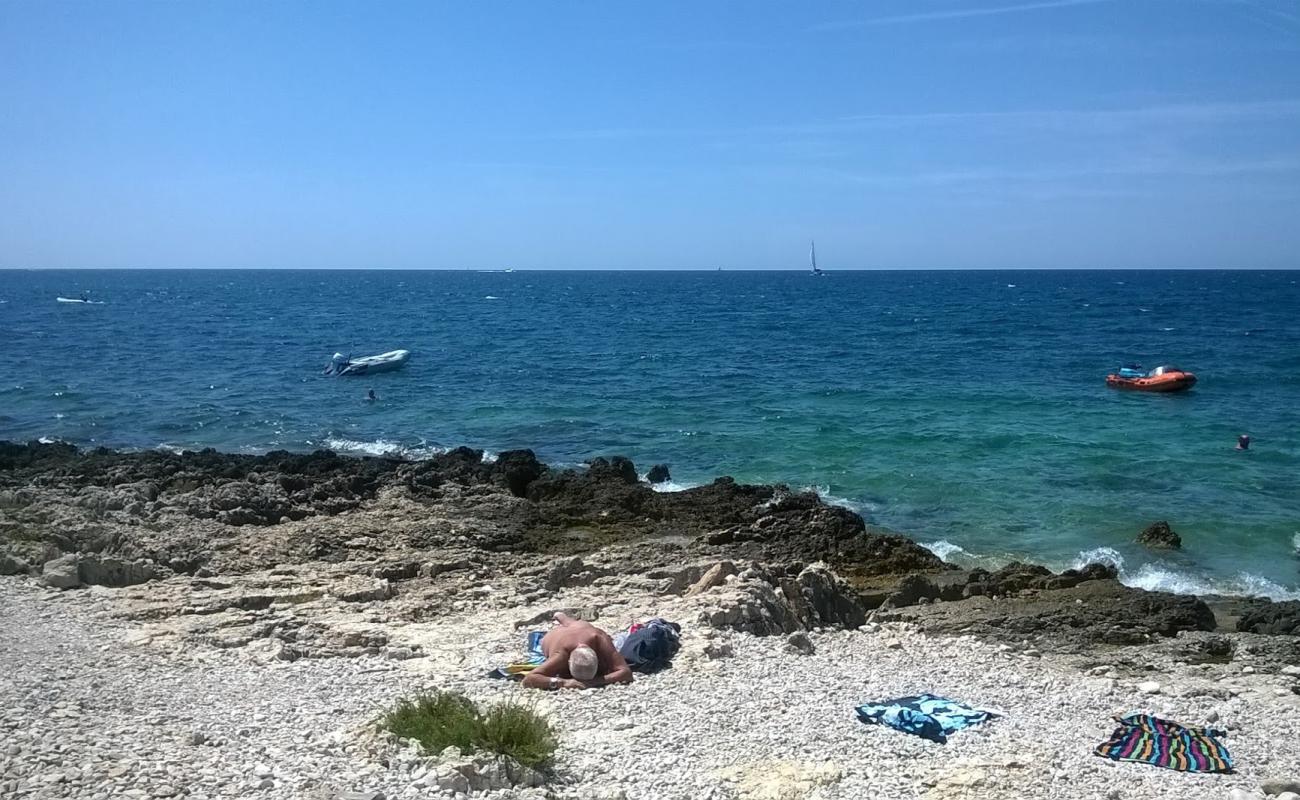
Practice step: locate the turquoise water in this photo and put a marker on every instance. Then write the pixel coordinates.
(966, 409)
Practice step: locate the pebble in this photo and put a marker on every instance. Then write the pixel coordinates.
(1280, 786)
(765, 709)
(1291, 669)
(1149, 687)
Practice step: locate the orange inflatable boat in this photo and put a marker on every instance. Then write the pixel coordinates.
(1160, 379)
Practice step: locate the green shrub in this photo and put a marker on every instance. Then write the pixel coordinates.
(439, 720)
(517, 731)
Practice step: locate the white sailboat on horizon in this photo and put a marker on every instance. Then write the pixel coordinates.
(812, 256)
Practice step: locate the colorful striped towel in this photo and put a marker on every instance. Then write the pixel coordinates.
(534, 657)
(1151, 740)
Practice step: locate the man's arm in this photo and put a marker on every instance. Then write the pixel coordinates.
(540, 676)
(619, 671)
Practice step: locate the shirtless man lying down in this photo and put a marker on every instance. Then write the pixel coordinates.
(578, 656)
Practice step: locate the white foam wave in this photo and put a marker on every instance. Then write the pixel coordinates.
(1295, 543)
(490, 297)
(672, 486)
(824, 492)
(489, 457)
(48, 440)
(382, 447)
(1100, 555)
(944, 549)
(1157, 577)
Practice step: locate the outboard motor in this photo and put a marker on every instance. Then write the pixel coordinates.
(337, 364)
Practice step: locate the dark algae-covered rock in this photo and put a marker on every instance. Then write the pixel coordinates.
(1159, 535)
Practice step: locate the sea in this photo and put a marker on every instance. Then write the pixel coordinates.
(965, 409)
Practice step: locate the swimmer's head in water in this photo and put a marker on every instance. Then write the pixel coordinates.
(1243, 442)
(583, 663)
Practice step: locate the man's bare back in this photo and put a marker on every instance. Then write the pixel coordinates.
(559, 644)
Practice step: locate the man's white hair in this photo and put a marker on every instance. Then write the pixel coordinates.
(583, 663)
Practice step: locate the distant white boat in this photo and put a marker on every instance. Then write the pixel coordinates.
(812, 256)
(82, 300)
(368, 365)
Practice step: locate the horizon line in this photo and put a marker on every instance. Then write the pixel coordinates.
(512, 270)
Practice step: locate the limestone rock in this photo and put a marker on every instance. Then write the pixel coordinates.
(819, 598)
(658, 474)
(782, 780)
(956, 783)
(715, 576)
(717, 650)
(100, 570)
(1272, 618)
(566, 572)
(362, 590)
(1277, 786)
(799, 642)
(12, 565)
(1160, 535)
(62, 572)
(751, 606)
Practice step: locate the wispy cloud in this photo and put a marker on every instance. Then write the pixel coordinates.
(1170, 112)
(1125, 168)
(1123, 118)
(959, 13)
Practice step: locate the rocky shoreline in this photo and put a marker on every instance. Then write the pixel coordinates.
(118, 519)
(426, 571)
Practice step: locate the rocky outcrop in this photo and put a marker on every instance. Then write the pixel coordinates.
(516, 469)
(770, 602)
(1159, 535)
(607, 492)
(101, 570)
(819, 598)
(134, 517)
(1271, 618)
(658, 474)
(1090, 612)
(800, 527)
(1012, 579)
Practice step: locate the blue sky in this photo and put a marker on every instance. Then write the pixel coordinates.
(908, 134)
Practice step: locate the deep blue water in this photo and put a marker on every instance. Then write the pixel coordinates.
(962, 408)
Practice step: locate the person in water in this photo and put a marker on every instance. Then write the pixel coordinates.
(578, 656)
(1243, 442)
(370, 396)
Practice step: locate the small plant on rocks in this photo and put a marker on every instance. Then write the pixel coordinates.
(438, 720)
